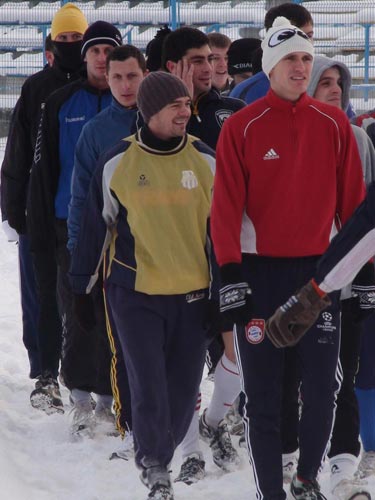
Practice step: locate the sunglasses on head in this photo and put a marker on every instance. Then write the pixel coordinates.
(285, 34)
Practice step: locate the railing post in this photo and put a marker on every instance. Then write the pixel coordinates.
(44, 35)
(174, 14)
(367, 60)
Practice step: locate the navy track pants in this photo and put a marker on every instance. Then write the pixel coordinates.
(164, 342)
(30, 306)
(273, 281)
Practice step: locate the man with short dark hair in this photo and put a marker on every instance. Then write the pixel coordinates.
(125, 70)
(219, 44)
(187, 54)
(154, 49)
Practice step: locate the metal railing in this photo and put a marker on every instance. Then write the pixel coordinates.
(343, 28)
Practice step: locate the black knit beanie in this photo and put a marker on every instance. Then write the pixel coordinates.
(240, 55)
(157, 90)
(100, 32)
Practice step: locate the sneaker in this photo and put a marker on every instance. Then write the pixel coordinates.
(350, 490)
(161, 491)
(192, 469)
(105, 421)
(305, 490)
(223, 453)
(92, 400)
(83, 420)
(157, 479)
(234, 420)
(242, 442)
(366, 466)
(46, 395)
(126, 451)
(289, 467)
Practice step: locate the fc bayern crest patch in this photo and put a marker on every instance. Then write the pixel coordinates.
(255, 331)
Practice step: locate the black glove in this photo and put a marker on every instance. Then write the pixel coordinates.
(84, 311)
(363, 293)
(292, 320)
(17, 221)
(235, 296)
(212, 321)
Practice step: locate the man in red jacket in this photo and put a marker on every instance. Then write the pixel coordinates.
(288, 173)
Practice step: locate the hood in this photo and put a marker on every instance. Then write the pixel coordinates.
(321, 63)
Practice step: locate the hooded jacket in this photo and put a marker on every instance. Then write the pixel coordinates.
(210, 110)
(365, 146)
(19, 153)
(65, 113)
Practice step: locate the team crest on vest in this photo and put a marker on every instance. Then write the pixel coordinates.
(143, 181)
(189, 180)
(255, 331)
(222, 115)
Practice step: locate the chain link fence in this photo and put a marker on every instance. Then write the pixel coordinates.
(343, 29)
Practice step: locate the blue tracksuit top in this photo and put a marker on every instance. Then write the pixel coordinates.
(102, 132)
(65, 113)
(252, 89)
(74, 113)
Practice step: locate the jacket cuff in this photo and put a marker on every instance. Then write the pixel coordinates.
(231, 273)
(318, 290)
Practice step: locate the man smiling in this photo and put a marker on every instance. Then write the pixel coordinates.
(149, 201)
(187, 54)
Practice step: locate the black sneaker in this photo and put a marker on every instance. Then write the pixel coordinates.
(223, 453)
(46, 395)
(305, 490)
(192, 470)
(161, 491)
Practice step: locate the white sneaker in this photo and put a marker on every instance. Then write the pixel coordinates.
(126, 449)
(289, 466)
(366, 466)
(350, 490)
(105, 421)
(234, 420)
(82, 420)
(192, 469)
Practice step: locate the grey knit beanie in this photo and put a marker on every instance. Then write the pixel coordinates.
(157, 90)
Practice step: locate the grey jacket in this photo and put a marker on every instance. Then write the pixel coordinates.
(365, 146)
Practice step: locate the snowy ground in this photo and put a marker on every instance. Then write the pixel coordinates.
(37, 459)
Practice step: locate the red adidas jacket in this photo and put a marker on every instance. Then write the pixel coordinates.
(287, 176)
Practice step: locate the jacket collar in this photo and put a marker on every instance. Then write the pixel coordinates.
(274, 101)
